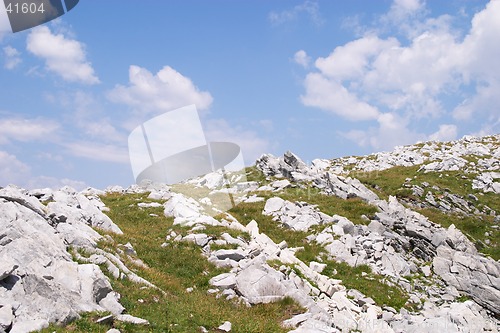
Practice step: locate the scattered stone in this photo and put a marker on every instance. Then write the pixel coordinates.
(226, 327)
(113, 330)
(106, 320)
(126, 318)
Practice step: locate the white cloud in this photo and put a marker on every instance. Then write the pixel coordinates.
(310, 8)
(98, 151)
(302, 58)
(480, 49)
(351, 60)
(20, 129)
(12, 171)
(446, 132)
(252, 146)
(391, 130)
(15, 172)
(164, 91)
(331, 96)
(401, 9)
(12, 57)
(485, 103)
(372, 77)
(64, 56)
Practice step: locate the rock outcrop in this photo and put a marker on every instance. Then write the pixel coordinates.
(45, 277)
(40, 283)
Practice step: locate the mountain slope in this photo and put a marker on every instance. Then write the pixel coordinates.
(402, 241)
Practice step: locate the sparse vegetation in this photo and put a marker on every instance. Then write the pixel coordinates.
(352, 208)
(372, 285)
(173, 269)
(390, 182)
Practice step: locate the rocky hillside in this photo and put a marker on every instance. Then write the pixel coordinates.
(402, 241)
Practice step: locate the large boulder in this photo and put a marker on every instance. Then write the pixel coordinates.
(260, 284)
(477, 276)
(39, 281)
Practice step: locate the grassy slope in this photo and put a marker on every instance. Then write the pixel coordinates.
(174, 268)
(361, 277)
(179, 266)
(390, 182)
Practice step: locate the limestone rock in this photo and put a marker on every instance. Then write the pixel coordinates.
(126, 318)
(260, 285)
(473, 274)
(225, 327)
(40, 283)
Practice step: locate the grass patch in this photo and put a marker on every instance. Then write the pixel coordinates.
(352, 208)
(255, 175)
(372, 285)
(474, 227)
(215, 247)
(173, 269)
(246, 212)
(387, 182)
(390, 182)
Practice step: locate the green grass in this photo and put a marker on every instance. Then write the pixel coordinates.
(246, 212)
(255, 175)
(173, 269)
(372, 285)
(387, 182)
(474, 227)
(390, 182)
(352, 208)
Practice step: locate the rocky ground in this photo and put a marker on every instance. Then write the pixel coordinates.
(403, 241)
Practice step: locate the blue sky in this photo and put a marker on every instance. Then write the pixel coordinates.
(320, 78)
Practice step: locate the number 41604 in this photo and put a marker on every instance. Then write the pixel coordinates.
(25, 8)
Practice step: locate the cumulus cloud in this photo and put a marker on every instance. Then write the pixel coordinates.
(332, 96)
(430, 76)
(351, 60)
(12, 57)
(63, 56)
(12, 170)
(446, 132)
(309, 8)
(25, 130)
(163, 91)
(302, 58)
(390, 130)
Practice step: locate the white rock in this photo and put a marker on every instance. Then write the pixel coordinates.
(224, 281)
(126, 318)
(226, 327)
(149, 204)
(273, 205)
(6, 317)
